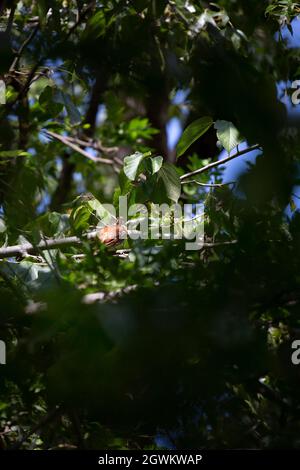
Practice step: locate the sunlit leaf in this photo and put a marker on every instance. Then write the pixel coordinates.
(195, 130)
(156, 163)
(13, 153)
(132, 164)
(227, 134)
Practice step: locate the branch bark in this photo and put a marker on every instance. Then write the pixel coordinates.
(66, 141)
(11, 19)
(209, 185)
(53, 243)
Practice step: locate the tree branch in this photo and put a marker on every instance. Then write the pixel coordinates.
(94, 144)
(219, 162)
(11, 19)
(23, 46)
(98, 89)
(209, 185)
(52, 243)
(66, 141)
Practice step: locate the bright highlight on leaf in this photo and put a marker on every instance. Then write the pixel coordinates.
(13, 153)
(156, 164)
(131, 165)
(228, 135)
(195, 130)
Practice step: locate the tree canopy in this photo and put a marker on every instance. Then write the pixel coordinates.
(145, 343)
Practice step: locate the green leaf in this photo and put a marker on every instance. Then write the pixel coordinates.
(49, 224)
(156, 164)
(42, 11)
(13, 153)
(132, 165)
(99, 209)
(195, 130)
(48, 103)
(33, 275)
(125, 184)
(88, 209)
(79, 218)
(227, 134)
(170, 178)
(96, 26)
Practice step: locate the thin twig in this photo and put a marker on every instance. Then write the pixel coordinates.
(23, 46)
(96, 145)
(209, 185)
(66, 141)
(219, 162)
(216, 244)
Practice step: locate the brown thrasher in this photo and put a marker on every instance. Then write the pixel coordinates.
(112, 235)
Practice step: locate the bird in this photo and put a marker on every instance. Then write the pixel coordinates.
(112, 235)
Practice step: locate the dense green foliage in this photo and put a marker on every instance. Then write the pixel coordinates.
(112, 349)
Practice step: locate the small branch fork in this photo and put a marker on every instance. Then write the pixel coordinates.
(78, 144)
